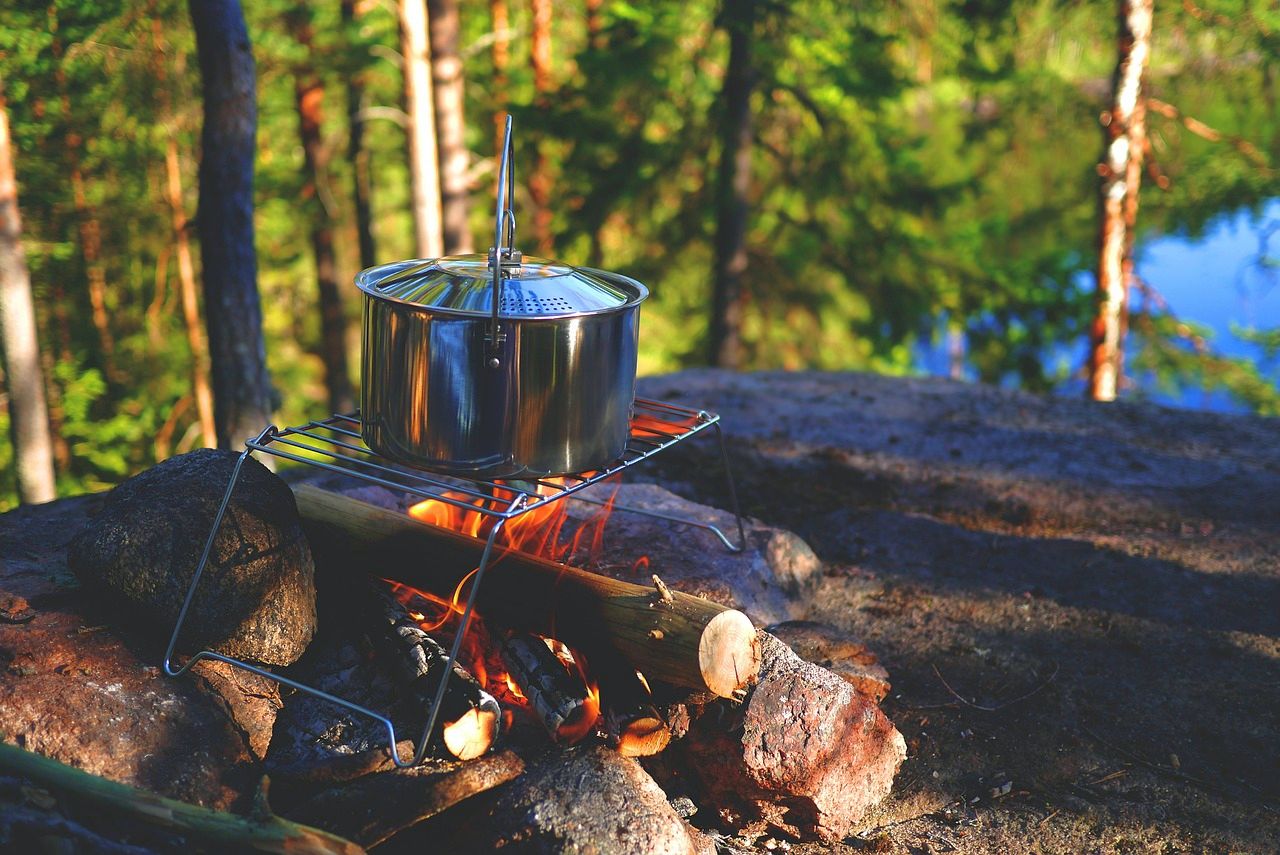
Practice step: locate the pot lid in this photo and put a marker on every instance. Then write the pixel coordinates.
(531, 287)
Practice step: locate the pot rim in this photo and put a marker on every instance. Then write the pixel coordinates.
(641, 294)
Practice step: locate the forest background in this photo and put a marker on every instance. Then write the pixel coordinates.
(920, 172)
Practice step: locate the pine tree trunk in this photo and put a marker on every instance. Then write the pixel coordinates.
(309, 97)
(447, 84)
(501, 59)
(419, 105)
(356, 153)
(200, 390)
(242, 392)
(190, 305)
(540, 176)
(88, 226)
(733, 187)
(1121, 170)
(28, 412)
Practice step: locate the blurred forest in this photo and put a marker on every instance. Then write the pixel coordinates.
(918, 169)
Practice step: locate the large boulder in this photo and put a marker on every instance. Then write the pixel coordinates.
(257, 597)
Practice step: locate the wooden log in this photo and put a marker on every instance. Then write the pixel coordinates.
(666, 635)
(198, 828)
(376, 807)
(633, 724)
(558, 695)
(470, 718)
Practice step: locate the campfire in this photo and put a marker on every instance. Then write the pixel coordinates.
(571, 694)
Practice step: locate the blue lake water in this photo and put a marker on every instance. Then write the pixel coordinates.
(1225, 279)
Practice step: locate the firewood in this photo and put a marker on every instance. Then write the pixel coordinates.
(194, 827)
(470, 718)
(686, 641)
(632, 722)
(560, 698)
(376, 807)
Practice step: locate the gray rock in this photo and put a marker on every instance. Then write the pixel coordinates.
(256, 599)
(586, 800)
(768, 580)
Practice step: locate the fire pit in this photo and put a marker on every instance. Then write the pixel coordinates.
(687, 641)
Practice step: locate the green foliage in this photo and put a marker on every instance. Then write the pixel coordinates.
(915, 166)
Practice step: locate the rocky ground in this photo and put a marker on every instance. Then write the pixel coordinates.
(1078, 605)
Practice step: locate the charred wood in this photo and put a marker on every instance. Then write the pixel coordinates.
(558, 695)
(376, 807)
(470, 717)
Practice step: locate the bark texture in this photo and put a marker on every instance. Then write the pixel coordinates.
(733, 187)
(420, 106)
(451, 127)
(1124, 131)
(309, 97)
(24, 379)
(242, 390)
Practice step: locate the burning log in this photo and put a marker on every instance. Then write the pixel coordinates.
(470, 716)
(668, 636)
(633, 723)
(558, 695)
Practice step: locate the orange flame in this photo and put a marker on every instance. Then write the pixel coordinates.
(541, 532)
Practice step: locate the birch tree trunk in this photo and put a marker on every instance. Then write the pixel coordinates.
(356, 153)
(309, 97)
(28, 412)
(451, 127)
(419, 105)
(733, 187)
(242, 392)
(540, 176)
(1121, 170)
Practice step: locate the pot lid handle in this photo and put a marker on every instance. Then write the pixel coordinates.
(502, 256)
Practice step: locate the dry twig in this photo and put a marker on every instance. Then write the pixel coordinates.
(996, 707)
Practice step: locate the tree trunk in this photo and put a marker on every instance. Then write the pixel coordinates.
(242, 390)
(540, 176)
(362, 187)
(190, 305)
(419, 105)
(89, 227)
(309, 97)
(28, 412)
(733, 187)
(200, 390)
(501, 59)
(1121, 170)
(447, 82)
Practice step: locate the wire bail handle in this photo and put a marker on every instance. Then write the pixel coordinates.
(502, 256)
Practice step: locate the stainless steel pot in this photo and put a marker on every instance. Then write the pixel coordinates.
(498, 366)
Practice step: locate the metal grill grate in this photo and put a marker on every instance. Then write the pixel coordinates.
(334, 444)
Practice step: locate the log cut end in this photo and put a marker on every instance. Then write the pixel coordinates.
(473, 734)
(729, 653)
